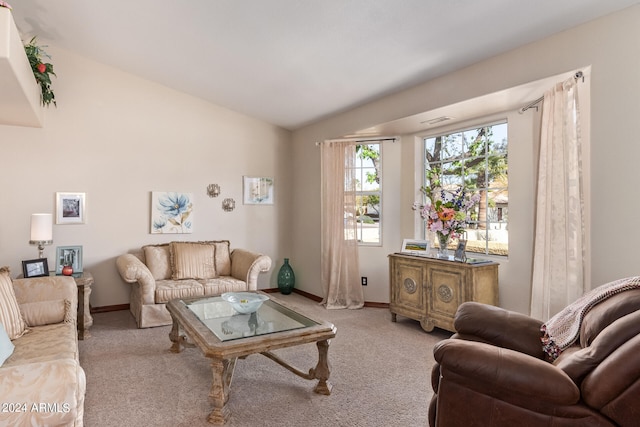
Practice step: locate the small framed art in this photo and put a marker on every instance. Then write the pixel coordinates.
(460, 254)
(257, 191)
(35, 268)
(415, 247)
(69, 255)
(70, 208)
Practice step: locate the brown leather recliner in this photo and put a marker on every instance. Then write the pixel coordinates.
(493, 371)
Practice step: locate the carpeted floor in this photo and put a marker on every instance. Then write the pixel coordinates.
(380, 373)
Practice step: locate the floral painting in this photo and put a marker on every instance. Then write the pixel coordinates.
(171, 213)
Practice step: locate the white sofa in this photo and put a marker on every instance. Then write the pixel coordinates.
(160, 273)
(41, 381)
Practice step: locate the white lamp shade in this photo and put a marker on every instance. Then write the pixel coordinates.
(41, 227)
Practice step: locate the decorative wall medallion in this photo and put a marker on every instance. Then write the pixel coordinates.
(213, 190)
(445, 293)
(410, 285)
(228, 205)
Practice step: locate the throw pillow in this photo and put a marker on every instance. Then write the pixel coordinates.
(6, 346)
(45, 312)
(10, 315)
(223, 257)
(158, 260)
(191, 260)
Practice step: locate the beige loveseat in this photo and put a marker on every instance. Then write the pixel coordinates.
(160, 273)
(41, 381)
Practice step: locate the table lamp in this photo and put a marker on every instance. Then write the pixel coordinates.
(41, 231)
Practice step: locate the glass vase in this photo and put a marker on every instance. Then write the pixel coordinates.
(443, 244)
(286, 278)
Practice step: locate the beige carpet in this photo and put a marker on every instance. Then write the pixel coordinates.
(380, 373)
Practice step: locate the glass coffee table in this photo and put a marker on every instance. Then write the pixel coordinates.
(224, 335)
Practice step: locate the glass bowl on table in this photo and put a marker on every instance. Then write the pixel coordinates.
(244, 302)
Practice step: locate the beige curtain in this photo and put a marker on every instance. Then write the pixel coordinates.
(340, 266)
(558, 264)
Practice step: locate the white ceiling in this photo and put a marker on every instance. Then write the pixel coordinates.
(293, 62)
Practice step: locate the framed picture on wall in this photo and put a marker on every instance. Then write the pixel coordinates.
(35, 268)
(257, 190)
(171, 212)
(70, 208)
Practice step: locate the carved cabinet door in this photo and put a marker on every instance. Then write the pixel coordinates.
(445, 292)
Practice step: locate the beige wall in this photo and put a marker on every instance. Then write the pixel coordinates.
(117, 138)
(610, 46)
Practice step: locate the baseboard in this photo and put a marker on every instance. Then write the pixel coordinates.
(376, 304)
(108, 308)
(119, 307)
(319, 299)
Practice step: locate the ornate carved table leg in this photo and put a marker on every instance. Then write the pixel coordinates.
(85, 320)
(322, 370)
(82, 332)
(175, 337)
(222, 371)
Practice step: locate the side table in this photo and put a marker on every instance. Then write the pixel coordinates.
(430, 290)
(84, 281)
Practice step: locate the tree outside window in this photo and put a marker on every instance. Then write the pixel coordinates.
(368, 193)
(476, 160)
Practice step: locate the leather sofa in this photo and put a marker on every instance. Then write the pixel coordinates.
(41, 381)
(493, 371)
(160, 273)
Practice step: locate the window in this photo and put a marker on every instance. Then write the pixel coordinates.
(368, 193)
(475, 159)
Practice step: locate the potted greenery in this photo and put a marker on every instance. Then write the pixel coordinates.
(41, 70)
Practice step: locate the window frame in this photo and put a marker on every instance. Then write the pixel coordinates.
(461, 128)
(359, 170)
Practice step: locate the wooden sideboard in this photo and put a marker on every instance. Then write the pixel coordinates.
(430, 290)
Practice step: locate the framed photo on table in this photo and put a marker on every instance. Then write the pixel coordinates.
(415, 247)
(69, 255)
(460, 253)
(35, 268)
(70, 208)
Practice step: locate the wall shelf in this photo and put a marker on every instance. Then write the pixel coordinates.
(19, 91)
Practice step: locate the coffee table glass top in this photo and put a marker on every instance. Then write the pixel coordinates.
(227, 324)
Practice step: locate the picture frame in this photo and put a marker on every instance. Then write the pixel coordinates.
(35, 268)
(416, 247)
(257, 190)
(460, 252)
(69, 255)
(171, 212)
(70, 208)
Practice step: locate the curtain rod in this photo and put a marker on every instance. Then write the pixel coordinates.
(532, 104)
(359, 140)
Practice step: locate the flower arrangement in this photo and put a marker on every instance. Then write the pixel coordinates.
(41, 71)
(448, 214)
